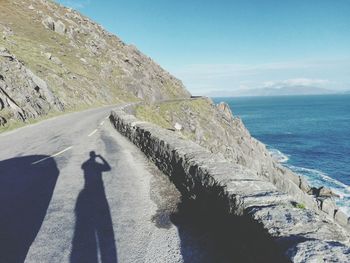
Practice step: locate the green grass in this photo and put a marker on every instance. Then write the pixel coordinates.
(15, 124)
(299, 205)
(150, 114)
(162, 114)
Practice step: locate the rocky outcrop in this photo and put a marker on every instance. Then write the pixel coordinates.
(300, 234)
(23, 94)
(224, 108)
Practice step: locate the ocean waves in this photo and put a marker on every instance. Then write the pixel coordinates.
(278, 155)
(318, 178)
(312, 130)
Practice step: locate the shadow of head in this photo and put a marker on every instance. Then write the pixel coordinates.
(92, 155)
(93, 168)
(25, 193)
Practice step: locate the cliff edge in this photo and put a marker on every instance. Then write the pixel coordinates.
(217, 129)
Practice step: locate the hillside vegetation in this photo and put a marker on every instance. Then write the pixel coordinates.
(52, 59)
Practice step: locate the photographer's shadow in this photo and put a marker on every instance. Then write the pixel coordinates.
(94, 234)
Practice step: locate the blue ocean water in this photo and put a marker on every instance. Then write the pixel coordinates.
(309, 134)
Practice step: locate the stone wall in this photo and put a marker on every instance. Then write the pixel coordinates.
(283, 225)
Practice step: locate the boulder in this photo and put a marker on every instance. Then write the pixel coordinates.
(60, 28)
(323, 191)
(328, 205)
(303, 184)
(57, 26)
(6, 54)
(7, 32)
(178, 126)
(49, 23)
(83, 60)
(48, 55)
(3, 121)
(56, 60)
(341, 218)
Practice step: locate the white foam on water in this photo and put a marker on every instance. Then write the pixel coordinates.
(278, 155)
(344, 207)
(317, 179)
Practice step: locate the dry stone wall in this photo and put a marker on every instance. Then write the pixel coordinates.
(301, 235)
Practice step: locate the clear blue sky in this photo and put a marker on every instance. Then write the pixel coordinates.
(235, 44)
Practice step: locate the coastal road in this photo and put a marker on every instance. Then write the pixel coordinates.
(74, 190)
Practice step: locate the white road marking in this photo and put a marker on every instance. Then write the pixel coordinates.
(102, 123)
(106, 117)
(70, 147)
(92, 133)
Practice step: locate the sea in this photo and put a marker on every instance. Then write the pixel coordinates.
(308, 134)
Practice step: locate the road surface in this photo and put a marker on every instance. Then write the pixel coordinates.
(74, 190)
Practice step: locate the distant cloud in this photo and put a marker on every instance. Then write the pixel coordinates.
(298, 82)
(206, 78)
(230, 70)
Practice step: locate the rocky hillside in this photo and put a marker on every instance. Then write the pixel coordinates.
(217, 129)
(52, 59)
(214, 127)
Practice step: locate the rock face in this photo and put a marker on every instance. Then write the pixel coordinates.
(80, 63)
(22, 93)
(256, 205)
(224, 108)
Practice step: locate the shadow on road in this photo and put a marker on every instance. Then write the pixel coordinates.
(25, 193)
(94, 233)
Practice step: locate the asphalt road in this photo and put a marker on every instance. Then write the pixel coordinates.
(74, 190)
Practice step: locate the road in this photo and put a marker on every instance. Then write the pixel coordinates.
(74, 190)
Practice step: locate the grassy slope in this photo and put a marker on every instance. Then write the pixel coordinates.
(104, 78)
(164, 114)
(30, 42)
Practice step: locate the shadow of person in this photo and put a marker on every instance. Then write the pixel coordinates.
(26, 189)
(94, 233)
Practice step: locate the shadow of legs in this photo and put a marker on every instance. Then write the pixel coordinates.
(94, 234)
